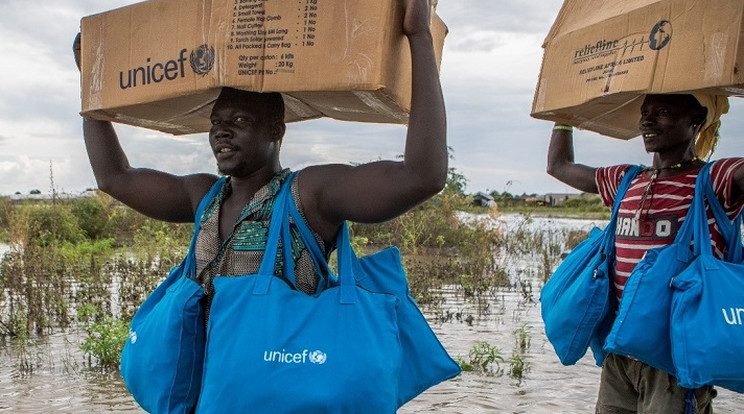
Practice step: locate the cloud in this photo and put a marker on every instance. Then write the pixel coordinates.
(490, 67)
(520, 16)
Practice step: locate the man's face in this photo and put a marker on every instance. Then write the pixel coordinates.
(667, 121)
(241, 134)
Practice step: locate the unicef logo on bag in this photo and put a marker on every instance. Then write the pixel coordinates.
(132, 336)
(318, 357)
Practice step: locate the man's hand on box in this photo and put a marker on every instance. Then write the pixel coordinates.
(76, 50)
(417, 17)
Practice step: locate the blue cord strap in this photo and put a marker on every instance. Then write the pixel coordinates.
(690, 406)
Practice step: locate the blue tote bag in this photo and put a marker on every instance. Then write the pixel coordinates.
(707, 315)
(161, 362)
(427, 363)
(642, 326)
(576, 300)
(273, 349)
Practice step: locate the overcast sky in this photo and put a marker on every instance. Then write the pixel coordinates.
(489, 71)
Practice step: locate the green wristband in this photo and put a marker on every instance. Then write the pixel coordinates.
(563, 128)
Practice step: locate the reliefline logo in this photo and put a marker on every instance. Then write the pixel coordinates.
(658, 38)
(317, 357)
(200, 59)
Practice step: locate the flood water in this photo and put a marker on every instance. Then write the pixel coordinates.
(61, 383)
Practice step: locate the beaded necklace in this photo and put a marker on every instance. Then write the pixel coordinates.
(654, 174)
(676, 166)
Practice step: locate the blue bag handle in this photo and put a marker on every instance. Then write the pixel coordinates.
(731, 231)
(345, 268)
(268, 262)
(608, 243)
(308, 239)
(310, 242)
(279, 229)
(346, 276)
(190, 261)
(685, 235)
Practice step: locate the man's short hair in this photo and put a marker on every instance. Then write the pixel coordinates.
(272, 102)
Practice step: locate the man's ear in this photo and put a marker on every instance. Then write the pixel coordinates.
(278, 128)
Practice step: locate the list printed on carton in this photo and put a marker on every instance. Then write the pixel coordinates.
(268, 42)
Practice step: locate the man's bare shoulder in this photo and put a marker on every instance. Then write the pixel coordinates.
(197, 185)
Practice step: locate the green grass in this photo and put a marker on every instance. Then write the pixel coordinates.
(557, 212)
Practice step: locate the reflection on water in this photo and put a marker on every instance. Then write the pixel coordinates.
(4, 248)
(60, 383)
(57, 380)
(547, 388)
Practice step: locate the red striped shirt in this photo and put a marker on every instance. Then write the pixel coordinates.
(643, 225)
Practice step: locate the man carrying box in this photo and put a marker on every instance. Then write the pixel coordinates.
(678, 130)
(246, 136)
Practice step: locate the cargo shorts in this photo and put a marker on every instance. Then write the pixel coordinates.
(630, 386)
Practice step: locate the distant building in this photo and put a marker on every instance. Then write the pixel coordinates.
(536, 200)
(550, 199)
(556, 199)
(47, 196)
(481, 199)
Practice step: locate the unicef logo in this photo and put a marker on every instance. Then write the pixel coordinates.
(660, 35)
(318, 357)
(132, 337)
(202, 59)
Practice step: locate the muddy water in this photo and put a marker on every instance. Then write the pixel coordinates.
(59, 381)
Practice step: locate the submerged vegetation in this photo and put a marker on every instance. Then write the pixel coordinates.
(81, 264)
(82, 267)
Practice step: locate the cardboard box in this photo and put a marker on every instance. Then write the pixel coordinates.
(160, 64)
(602, 56)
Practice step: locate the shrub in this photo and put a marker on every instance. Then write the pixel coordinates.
(36, 285)
(6, 212)
(483, 357)
(438, 248)
(105, 337)
(93, 216)
(49, 223)
(162, 239)
(593, 204)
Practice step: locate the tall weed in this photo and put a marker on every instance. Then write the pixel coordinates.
(438, 248)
